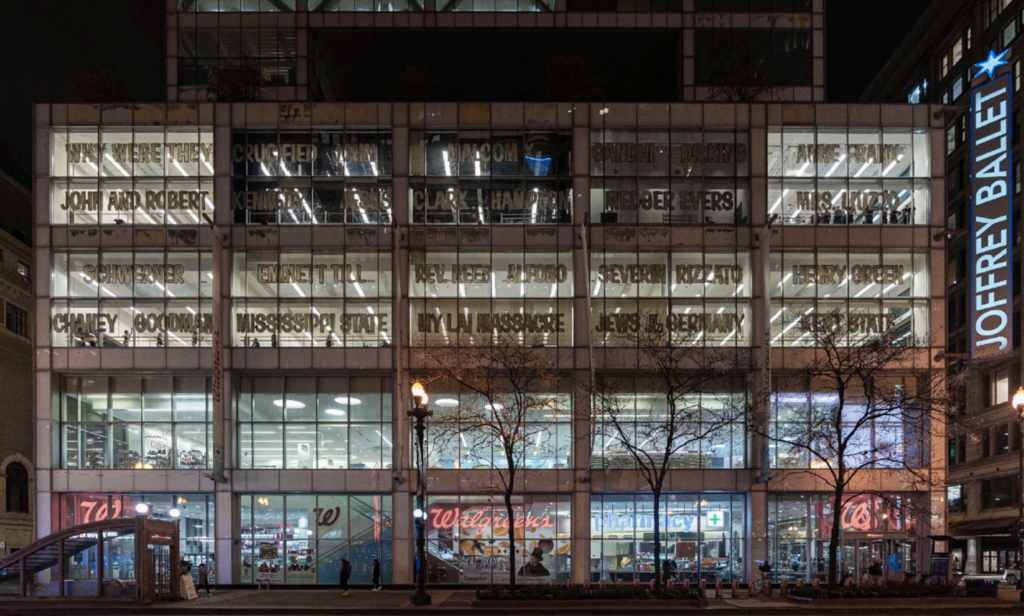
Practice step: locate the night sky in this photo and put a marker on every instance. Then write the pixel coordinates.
(45, 41)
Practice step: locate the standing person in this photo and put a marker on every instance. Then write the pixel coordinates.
(346, 572)
(875, 571)
(376, 575)
(204, 578)
(766, 577)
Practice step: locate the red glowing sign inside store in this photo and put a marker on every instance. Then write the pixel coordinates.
(864, 514)
(99, 510)
(473, 519)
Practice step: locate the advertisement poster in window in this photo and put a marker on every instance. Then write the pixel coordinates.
(471, 544)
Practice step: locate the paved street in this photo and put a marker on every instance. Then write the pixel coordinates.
(452, 601)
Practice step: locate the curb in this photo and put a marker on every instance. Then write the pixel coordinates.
(169, 609)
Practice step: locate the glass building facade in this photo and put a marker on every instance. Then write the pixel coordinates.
(469, 539)
(362, 239)
(306, 423)
(301, 539)
(135, 423)
(194, 512)
(882, 528)
(702, 533)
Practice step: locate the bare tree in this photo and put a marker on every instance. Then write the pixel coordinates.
(743, 85)
(700, 404)
(508, 391)
(97, 84)
(873, 402)
(233, 85)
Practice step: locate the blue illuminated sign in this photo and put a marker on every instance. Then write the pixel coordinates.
(991, 212)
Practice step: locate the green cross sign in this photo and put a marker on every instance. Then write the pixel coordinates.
(714, 519)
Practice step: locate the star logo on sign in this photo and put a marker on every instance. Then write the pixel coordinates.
(993, 62)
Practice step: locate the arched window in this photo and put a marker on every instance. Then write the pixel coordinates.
(17, 488)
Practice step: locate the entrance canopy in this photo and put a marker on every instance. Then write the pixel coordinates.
(44, 555)
(977, 528)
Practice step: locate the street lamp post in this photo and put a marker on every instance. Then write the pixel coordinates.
(1018, 405)
(420, 413)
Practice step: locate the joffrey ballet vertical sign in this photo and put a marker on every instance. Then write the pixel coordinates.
(991, 211)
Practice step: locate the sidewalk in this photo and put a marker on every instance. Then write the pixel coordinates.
(282, 602)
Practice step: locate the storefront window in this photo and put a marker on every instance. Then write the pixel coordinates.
(377, 6)
(234, 6)
(125, 299)
(874, 528)
(860, 296)
(459, 439)
(301, 538)
(803, 435)
(301, 299)
(520, 6)
(713, 438)
(135, 423)
(490, 177)
(752, 6)
(849, 176)
(266, 56)
(624, 6)
(703, 534)
(680, 298)
(478, 299)
(325, 423)
(319, 177)
(194, 512)
(677, 178)
(130, 176)
(469, 539)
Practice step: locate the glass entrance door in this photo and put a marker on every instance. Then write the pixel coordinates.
(847, 560)
(870, 552)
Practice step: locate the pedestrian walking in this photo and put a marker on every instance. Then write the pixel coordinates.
(376, 575)
(346, 573)
(204, 578)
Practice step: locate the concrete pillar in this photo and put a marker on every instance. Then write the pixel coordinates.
(757, 523)
(224, 550)
(402, 541)
(581, 534)
(971, 558)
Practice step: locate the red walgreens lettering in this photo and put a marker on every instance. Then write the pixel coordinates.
(327, 517)
(479, 520)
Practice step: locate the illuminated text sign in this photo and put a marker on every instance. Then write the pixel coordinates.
(991, 303)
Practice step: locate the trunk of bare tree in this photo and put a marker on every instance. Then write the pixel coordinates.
(511, 541)
(510, 488)
(833, 546)
(657, 537)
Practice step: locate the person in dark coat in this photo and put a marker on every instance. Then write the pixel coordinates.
(875, 571)
(376, 575)
(204, 578)
(668, 570)
(346, 573)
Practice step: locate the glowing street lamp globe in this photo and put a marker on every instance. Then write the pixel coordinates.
(1018, 400)
(419, 393)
